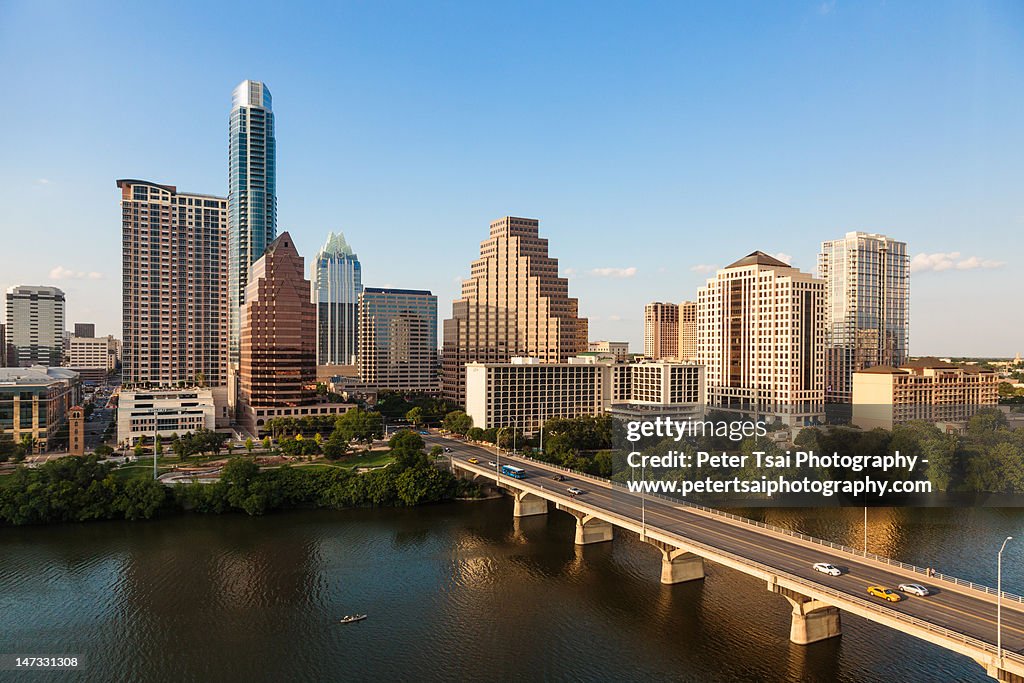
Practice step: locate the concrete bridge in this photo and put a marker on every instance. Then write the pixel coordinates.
(959, 616)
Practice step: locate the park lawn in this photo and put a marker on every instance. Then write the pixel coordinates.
(378, 458)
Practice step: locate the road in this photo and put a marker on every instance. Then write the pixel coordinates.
(966, 611)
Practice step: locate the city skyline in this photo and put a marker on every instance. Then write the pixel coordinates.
(933, 169)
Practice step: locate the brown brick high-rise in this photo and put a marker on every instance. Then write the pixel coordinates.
(513, 304)
(278, 327)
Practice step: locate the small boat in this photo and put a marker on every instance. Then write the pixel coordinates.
(352, 617)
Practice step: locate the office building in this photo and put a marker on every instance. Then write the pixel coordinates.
(174, 277)
(688, 331)
(618, 350)
(398, 340)
(3, 345)
(85, 330)
(525, 392)
(661, 330)
(164, 412)
(337, 282)
(277, 368)
(867, 284)
(35, 325)
(91, 357)
(761, 333)
(252, 194)
(513, 304)
(34, 403)
(926, 389)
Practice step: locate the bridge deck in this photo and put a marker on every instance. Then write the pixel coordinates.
(958, 617)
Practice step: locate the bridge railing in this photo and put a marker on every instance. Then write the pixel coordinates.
(923, 571)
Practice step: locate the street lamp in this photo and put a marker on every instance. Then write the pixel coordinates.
(865, 531)
(999, 601)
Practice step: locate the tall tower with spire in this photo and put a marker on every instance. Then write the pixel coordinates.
(252, 194)
(336, 282)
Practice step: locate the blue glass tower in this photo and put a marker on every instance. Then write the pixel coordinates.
(252, 194)
(336, 283)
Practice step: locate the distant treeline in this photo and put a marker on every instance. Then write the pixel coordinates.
(78, 489)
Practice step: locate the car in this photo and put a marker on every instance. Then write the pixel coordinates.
(424, 432)
(447, 450)
(492, 463)
(473, 461)
(884, 593)
(573, 491)
(826, 568)
(914, 589)
(558, 477)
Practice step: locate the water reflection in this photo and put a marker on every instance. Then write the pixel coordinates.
(454, 592)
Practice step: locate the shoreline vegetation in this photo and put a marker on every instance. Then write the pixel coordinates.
(85, 489)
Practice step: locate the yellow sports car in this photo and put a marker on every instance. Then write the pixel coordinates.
(884, 593)
(473, 461)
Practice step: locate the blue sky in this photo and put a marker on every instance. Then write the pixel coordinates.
(653, 141)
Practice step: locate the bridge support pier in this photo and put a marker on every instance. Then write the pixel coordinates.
(812, 620)
(678, 565)
(589, 529)
(528, 505)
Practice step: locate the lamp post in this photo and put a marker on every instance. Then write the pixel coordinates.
(865, 531)
(999, 601)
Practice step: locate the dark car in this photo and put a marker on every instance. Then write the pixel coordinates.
(559, 477)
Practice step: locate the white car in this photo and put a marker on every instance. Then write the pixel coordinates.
(574, 491)
(914, 589)
(826, 568)
(492, 463)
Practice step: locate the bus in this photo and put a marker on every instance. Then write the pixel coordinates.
(514, 472)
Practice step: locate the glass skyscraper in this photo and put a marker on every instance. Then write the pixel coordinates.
(868, 307)
(336, 283)
(252, 194)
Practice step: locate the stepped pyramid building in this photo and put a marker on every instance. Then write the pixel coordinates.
(513, 304)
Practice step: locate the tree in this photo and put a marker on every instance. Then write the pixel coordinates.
(415, 416)
(475, 433)
(140, 449)
(360, 425)
(335, 447)
(249, 445)
(458, 422)
(103, 450)
(266, 443)
(158, 446)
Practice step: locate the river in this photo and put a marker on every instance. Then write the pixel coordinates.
(458, 591)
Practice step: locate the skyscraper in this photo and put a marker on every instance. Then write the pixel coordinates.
(277, 366)
(868, 307)
(761, 335)
(35, 325)
(85, 330)
(174, 286)
(252, 193)
(336, 283)
(688, 330)
(513, 304)
(661, 330)
(398, 339)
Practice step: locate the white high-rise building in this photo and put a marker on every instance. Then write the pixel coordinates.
(336, 282)
(868, 307)
(35, 325)
(761, 337)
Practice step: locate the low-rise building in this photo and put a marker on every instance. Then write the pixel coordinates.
(620, 350)
(524, 393)
(92, 357)
(925, 389)
(34, 402)
(165, 412)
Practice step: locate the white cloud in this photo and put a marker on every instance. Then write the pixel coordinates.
(568, 272)
(614, 318)
(704, 268)
(826, 8)
(62, 273)
(953, 260)
(614, 272)
(783, 256)
(43, 181)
